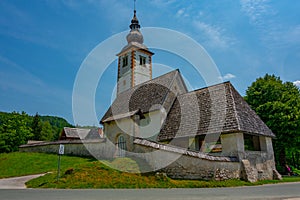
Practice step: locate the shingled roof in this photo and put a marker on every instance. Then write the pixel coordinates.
(80, 133)
(146, 97)
(215, 109)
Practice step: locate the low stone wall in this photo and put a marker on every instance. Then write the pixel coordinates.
(176, 162)
(183, 164)
(187, 167)
(99, 149)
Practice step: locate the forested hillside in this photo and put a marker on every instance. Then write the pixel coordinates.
(17, 128)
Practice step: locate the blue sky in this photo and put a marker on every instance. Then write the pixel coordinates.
(44, 42)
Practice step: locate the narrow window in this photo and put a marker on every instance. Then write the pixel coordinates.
(142, 60)
(125, 61)
(121, 146)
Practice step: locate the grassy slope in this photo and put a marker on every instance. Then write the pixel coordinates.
(88, 173)
(19, 164)
(97, 175)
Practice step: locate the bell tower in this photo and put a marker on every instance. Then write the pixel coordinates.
(134, 60)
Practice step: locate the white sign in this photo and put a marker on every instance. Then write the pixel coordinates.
(61, 149)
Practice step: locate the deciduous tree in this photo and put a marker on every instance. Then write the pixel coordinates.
(15, 131)
(278, 105)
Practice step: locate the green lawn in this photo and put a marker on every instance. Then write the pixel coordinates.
(89, 173)
(20, 164)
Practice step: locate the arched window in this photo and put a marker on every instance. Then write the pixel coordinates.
(121, 145)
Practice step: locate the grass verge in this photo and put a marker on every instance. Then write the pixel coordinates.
(21, 164)
(96, 175)
(88, 173)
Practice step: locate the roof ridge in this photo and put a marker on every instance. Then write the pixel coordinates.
(207, 87)
(165, 97)
(79, 128)
(182, 80)
(171, 83)
(234, 106)
(137, 86)
(173, 71)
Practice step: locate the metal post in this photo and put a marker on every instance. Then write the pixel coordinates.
(58, 168)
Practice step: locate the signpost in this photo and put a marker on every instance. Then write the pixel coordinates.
(61, 151)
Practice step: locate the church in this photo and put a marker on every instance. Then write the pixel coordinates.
(210, 133)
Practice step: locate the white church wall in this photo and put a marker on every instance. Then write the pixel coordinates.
(142, 73)
(140, 78)
(151, 125)
(124, 82)
(123, 126)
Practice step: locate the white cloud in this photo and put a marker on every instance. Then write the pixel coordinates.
(214, 34)
(227, 77)
(275, 33)
(297, 83)
(264, 17)
(162, 3)
(256, 10)
(183, 12)
(180, 12)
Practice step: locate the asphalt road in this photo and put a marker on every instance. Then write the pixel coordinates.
(286, 191)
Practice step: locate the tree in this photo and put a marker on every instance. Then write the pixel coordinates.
(278, 105)
(36, 127)
(17, 128)
(46, 132)
(57, 124)
(15, 131)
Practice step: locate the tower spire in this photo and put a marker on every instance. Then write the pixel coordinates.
(135, 62)
(134, 22)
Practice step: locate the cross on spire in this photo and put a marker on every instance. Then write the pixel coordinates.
(134, 1)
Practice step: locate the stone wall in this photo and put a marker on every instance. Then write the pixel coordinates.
(100, 149)
(257, 165)
(180, 163)
(177, 163)
(187, 167)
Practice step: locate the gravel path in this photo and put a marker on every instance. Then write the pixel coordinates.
(17, 182)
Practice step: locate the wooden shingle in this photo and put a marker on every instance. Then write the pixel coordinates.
(215, 109)
(146, 97)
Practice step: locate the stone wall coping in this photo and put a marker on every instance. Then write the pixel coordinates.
(64, 142)
(170, 148)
